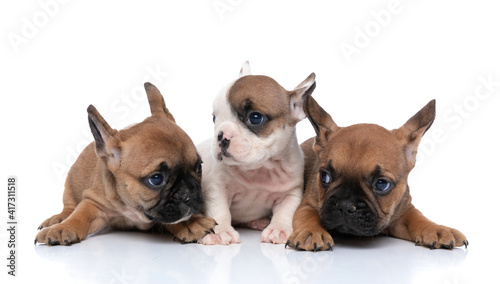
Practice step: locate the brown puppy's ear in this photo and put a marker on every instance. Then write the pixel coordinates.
(299, 95)
(107, 146)
(412, 131)
(156, 101)
(321, 121)
(245, 69)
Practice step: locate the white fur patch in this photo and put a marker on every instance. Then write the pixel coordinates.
(261, 176)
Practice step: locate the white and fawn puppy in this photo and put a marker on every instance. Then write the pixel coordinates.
(253, 166)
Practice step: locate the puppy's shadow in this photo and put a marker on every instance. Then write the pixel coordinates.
(99, 242)
(112, 256)
(383, 257)
(293, 266)
(357, 242)
(390, 249)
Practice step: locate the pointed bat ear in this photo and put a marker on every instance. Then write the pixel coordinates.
(107, 146)
(156, 101)
(322, 122)
(299, 95)
(412, 131)
(245, 69)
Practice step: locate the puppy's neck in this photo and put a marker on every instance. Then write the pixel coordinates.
(288, 150)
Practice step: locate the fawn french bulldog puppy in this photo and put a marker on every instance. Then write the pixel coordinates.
(253, 165)
(147, 174)
(356, 183)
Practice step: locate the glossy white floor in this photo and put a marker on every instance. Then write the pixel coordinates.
(136, 257)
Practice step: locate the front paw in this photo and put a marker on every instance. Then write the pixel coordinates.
(437, 236)
(56, 219)
(223, 235)
(58, 234)
(276, 234)
(194, 229)
(310, 240)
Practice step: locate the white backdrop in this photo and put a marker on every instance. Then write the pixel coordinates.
(375, 61)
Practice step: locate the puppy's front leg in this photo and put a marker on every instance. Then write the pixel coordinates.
(308, 233)
(217, 206)
(280, 227)
(86, 219)
(415, 227)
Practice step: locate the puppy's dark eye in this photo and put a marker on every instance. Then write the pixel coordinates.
(382, 185)
(255, 118)
(213, 118)
(156, 180)
(199, 168)
(326, 177)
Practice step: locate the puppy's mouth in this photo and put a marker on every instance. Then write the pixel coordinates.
(223, 153)
(168, 220)
(177, 205)
(346, 217)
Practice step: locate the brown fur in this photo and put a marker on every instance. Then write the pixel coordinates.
(263, 94)
(105, 186)
(354, 156)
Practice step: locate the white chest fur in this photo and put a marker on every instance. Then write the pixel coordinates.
(253, 193)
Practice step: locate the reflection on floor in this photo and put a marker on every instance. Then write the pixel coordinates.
(136, 257)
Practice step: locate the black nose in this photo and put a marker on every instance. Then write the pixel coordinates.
(224, 143)
(349, 207)
(183, 196)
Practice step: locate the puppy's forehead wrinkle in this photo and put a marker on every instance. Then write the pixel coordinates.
(363, 147)
(247, 105)
(376, 171)
(161, 167)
